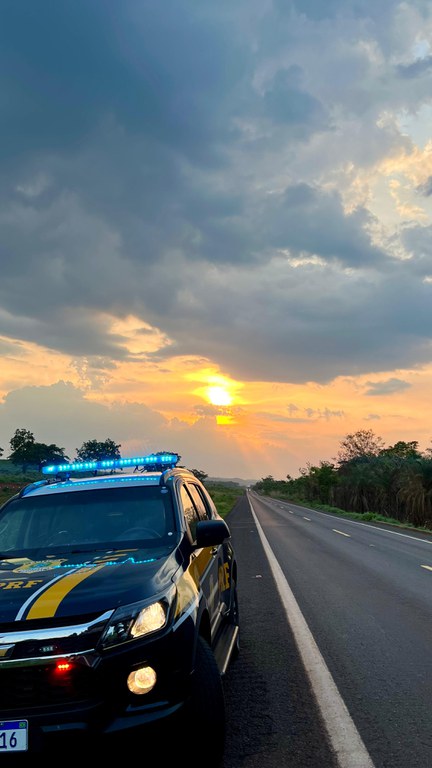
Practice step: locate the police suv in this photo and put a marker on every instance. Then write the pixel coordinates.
(118, 607)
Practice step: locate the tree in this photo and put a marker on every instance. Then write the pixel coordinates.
(30, 453)
(323, 479)
(199, 474)
(428, 453)
(1, 451)
(22, 445)
(416, 492)
(266, 484)
(93, 450)
(22, 438)
(359, 444)
(50, 454)
(403, 450)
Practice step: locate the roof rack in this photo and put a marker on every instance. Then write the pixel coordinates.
(152, 462)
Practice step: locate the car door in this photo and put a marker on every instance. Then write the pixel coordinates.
(208, 561)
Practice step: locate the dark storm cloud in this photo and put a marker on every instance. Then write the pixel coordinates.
(310, 324)
(65, 66)
(308, 220)
(286, 102)
(191, 168)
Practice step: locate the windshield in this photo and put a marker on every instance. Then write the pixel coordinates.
(100, 518)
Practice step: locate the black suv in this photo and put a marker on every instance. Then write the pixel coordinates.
(118, 607)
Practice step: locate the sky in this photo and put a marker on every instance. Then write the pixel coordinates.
(216, 227)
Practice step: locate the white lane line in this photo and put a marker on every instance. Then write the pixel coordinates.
(343, 735)
(428, 567)
(307, 518)
(375, 527)
(341, 533)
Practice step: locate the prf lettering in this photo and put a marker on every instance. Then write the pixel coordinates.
(20, 584)
(224, 577)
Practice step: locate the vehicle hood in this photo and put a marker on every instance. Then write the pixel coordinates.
(73, 585)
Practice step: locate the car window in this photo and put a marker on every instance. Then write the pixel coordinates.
(87, 517)
(190, 511)
(199, 502)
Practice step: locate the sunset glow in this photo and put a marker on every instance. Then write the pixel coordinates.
(218, 249)
(219, 396)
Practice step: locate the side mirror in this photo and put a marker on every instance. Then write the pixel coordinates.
(211, 533)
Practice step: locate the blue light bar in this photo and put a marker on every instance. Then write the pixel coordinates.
(152, 461)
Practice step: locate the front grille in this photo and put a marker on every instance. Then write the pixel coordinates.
(43, 686)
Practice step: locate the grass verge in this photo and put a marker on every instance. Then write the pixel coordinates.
(224, 496)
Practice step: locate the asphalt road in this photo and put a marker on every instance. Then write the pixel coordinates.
(272, 716)
(365, 594)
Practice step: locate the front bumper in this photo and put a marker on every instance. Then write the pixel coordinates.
(91, 701)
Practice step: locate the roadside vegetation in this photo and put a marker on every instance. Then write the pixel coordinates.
(367, 481)
(11, 483)
(224, 495)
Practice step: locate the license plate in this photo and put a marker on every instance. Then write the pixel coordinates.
(13, 736)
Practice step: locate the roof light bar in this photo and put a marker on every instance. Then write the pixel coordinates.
(152, 461)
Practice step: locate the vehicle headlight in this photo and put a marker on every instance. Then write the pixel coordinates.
(137, 620)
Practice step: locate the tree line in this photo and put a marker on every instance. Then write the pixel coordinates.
(366, 477)
(25, 452)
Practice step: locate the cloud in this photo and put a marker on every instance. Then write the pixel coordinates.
(194, 170)
(426, 188)
(216, 410)
(386, 387)
(416, 68)
(324, 413)
(278, 417)
(285, 101)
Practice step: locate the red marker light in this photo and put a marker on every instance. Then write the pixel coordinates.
(63, 666)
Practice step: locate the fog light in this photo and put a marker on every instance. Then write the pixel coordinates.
(141, 680)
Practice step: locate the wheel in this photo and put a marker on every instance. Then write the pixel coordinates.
(208, 704)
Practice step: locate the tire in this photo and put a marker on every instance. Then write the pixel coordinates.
(208, 705)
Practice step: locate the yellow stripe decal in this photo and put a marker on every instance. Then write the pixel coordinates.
(187, 586)
(46, 605)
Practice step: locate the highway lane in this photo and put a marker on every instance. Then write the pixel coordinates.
(272, 718)
(366, 595)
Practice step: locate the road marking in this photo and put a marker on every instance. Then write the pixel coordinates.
(343, 735)
(341, 532)
(374, 527)
(307, 518)
(428, 567)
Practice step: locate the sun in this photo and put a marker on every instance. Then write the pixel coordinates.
(219, 396)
